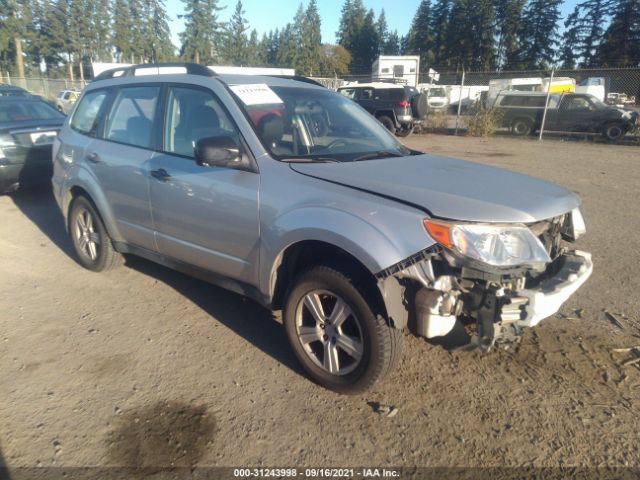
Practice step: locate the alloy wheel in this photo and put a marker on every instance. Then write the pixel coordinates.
(88, 239)
(329, 332)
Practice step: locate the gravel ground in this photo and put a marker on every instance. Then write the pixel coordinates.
(144, 367)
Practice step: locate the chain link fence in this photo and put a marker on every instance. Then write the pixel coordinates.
(461, 101)
(45, 87)
(474, 101)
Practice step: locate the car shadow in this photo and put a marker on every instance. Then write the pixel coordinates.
(4, 469)
(39, 206)
(241, 315)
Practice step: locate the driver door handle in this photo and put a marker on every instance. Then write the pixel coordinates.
(93, 157)
(160, 174)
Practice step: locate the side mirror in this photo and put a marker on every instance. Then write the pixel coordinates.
(220, 151)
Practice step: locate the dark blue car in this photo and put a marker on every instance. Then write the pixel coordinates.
(28, 127)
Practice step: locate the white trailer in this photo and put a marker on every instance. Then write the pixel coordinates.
(404, 68)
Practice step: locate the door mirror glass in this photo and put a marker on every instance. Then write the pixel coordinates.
(220, 151)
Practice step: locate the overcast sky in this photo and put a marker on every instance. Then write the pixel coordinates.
(265, 15)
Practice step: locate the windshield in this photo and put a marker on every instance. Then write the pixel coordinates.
(437, 92)
(24, 111)
(314, 124)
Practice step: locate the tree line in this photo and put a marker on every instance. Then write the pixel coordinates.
(64, 36)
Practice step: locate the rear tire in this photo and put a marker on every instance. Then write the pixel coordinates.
(336, 333)
(387, 123)
(521, 127)
(613, 131)
(404, 132)
(90, 239)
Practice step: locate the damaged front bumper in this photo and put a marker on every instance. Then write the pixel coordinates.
(437, 295)
(551, 293)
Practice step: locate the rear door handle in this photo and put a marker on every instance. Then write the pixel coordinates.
(160, 174)
(93, 157)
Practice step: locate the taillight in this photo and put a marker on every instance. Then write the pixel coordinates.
(404, 103)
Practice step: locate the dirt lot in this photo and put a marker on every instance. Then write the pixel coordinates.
(146, 367)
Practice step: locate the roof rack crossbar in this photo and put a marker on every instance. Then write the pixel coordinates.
(130, 70)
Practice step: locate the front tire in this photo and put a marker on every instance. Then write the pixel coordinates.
(336, 332)
(613, 132)
(91, 241)
(521, 127)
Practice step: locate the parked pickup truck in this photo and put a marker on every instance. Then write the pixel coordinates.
(567, 112)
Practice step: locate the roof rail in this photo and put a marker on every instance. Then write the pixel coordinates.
(299, 78)
(155, 69)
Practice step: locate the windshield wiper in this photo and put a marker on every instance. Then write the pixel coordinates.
(378, 154)
(310, 160)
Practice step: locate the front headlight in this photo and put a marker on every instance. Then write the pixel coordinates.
(500, 246)
(574, 226)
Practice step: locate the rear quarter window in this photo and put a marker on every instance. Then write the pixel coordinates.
(85, 116)
(390, 94)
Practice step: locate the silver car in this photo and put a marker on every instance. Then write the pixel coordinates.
(293, 195)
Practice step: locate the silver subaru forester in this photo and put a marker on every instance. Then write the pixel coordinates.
(293, 195)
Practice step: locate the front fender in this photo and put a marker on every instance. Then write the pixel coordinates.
(364, 241)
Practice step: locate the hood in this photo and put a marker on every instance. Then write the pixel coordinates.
(449, 188)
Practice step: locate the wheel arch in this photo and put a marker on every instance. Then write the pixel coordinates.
(98, 201)
(304, 254)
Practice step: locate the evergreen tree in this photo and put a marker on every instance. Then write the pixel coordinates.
(270, 45)
(350, 31)
(234, 48)
(621, 44)
(483, 54)
(15, 18)
(439, 25)
(392, 45)
(595, 17)
(420, 37)
(540, 33)
(568, 53)
(121, 30)
(255, 54)
(200, 37)
(137, 38)
(383, 32)
(287, 47)
(310, 39)
(358, 34)
(368, 44)
(158, 46)
(80, 33)
(509, 30)
(100, 25)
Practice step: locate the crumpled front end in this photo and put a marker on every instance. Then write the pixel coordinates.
(442, 288)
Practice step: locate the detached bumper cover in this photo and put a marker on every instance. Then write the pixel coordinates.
(549, 296)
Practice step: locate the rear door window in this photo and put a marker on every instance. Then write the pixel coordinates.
(132, 116)
(85, 118)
